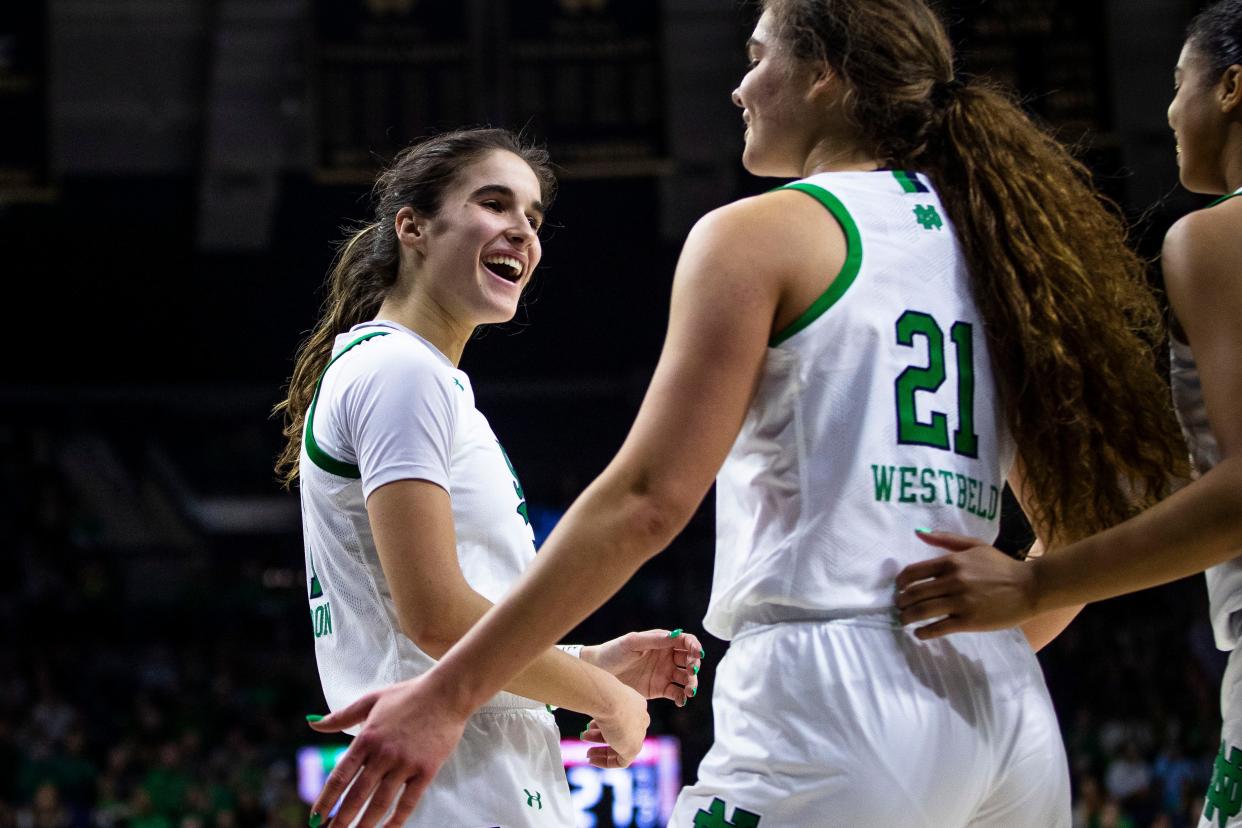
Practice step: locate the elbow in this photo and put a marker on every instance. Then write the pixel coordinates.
(643, 500)
(1229, 487)
(655, 517)
(433, 645)
(429, 637)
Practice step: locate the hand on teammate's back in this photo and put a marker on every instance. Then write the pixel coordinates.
(974, 588)
(659, 664)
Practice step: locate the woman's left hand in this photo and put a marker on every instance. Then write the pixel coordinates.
(659, 664)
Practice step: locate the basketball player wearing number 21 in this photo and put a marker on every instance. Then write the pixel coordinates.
(1198, 529)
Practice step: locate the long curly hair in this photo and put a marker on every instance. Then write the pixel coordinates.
(366, 265)
(1070, 319)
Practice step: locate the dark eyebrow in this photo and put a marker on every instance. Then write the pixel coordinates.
(506, 192)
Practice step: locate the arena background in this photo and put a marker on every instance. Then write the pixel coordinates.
(173, 175)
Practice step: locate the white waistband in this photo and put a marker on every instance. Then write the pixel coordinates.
(885, 617)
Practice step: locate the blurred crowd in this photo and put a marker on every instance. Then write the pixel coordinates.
(1136, 685)
(165, 684)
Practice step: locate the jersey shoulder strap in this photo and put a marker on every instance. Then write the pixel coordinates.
(317, 455)
(849, 270)
(1225, 198)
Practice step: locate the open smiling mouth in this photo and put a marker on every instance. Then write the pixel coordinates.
(506, 267)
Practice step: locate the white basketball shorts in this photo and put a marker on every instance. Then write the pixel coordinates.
(1222, 804)
(856, 723)
(507, 771)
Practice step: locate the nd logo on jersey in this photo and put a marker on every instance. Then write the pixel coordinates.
(714, 817)
(1223, 800)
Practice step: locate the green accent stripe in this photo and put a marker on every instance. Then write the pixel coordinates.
(849, 270)
(1225, 198)
(317, 455)
(903, 178)
(909, 181)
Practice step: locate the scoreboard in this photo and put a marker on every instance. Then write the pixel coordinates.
(640, 796)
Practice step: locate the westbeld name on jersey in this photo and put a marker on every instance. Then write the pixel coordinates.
(916, 484)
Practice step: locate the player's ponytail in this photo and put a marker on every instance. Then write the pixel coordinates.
(367, 262)
(1070, 319)
(363, 271)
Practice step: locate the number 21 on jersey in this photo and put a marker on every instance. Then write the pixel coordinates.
(914, 325)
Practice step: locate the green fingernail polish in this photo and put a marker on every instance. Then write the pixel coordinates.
(675, 633)
(314, 717)
(582, 735)
(314, 820)
(702, 653)
(922, 531)
(692, 692)
(696, 669)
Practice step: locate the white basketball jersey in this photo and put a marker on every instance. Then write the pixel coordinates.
(391, 407)
(876, 414)
(1224, 581)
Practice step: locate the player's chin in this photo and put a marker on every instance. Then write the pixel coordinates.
(752, 158)
(765, 164)
(498, 310)
(1195, 182)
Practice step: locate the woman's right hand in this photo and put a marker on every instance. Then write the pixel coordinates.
(408, 731)
(620, 732)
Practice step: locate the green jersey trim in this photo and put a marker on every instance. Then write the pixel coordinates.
(909, 182)
(317, 455)
(849, 270)
(1225, 198)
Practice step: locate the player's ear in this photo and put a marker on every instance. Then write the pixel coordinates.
(1230, 89)
(411, 228)
(823, 79)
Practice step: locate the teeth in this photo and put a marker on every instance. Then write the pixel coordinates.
(508, 261)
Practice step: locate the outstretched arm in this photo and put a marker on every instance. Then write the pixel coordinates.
(412, 523)
(1047, 625)
(725, 298)
(1196, 528)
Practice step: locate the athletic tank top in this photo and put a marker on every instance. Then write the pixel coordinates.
(1224, 581)
(876, 414)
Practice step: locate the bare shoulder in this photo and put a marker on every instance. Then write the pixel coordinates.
(774, 219)
(1203, 275)
(781, 234)
(1203, 250)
